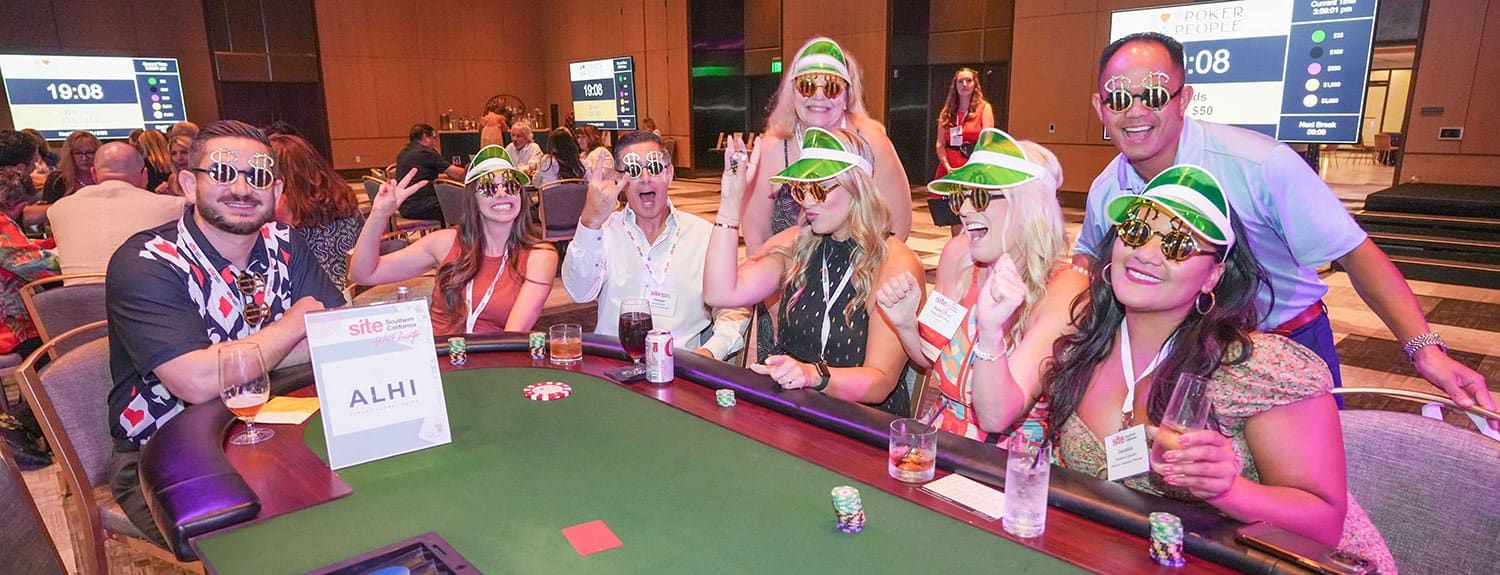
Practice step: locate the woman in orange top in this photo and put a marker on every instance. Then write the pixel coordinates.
(493, 271)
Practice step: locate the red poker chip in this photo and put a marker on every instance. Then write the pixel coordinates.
(548, 391)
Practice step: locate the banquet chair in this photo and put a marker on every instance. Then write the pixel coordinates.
(561, 203)
(28, 547)
(1413, 474)
(60, 303)
(67, 400)
(451, 198)
(372, 186)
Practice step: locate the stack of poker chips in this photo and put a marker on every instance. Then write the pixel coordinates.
(458, 351)
(725, 397)
(1166, 540)
(851, 512)
(538, 342)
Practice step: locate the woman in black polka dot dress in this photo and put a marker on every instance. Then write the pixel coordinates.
(832, 336)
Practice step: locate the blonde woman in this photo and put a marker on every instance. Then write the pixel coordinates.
(832, 336)
(1007, 198)
(822, 91)
(75, 169)
(158, 156)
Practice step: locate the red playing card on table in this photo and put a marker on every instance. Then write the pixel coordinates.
(592, 537)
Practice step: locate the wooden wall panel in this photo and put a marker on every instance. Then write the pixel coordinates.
(1444, 73)
(860, 26)
(1473, 169)
(1482, 127)
(388, 64)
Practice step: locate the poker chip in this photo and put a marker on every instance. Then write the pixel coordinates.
(548, 391)
(849, 509)
(725, 397)
(1166, 539)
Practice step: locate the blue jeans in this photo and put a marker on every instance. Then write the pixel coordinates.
(1318, 337)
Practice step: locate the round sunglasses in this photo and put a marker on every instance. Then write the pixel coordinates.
(1177, 245)
(808, 84)
(503, 184)
(1154, 95)
(818, 191)
(979, 197)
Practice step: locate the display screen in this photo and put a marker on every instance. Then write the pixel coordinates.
(1292, 69)
(604, 93)
(58, 95)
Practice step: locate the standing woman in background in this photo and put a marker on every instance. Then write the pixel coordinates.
(823, 91)
(965, 113)
(75, 170)
(154, 150)
(495, 126)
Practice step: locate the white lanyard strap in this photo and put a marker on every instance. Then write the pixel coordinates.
(472, 317)
(657, 279)
(829, 299)
(1127, 363)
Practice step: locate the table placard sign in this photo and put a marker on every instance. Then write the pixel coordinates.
(378, 381)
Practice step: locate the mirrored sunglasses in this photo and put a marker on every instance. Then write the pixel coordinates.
(818, 191)
(980, 198)
(1177, 245)
(631, 165)
(808, 84)
(250, 284)
(1154, 95)
(493, 184)
(222, 170)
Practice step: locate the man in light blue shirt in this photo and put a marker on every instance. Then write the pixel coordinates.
(1293, 222)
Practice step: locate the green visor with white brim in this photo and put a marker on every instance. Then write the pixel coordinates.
(1187, 192)
(823, 157)
(493, 158)
(998, 162)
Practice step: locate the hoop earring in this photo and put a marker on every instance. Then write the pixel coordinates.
(1213, 300)
(1104, 274)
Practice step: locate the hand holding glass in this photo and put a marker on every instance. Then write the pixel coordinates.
(244, 387)
(1187, 411)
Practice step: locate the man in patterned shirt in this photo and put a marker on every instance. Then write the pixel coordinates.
(225, 271)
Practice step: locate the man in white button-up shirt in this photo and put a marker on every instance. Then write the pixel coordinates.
(647, 250)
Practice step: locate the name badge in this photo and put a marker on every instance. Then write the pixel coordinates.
(942, 315)
(1126, 453)
(662, 301)
(956, 136)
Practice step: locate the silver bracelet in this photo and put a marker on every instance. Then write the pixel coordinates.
(982, 356)
(1413, 345)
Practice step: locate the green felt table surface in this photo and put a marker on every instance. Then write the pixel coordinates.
(682, 494)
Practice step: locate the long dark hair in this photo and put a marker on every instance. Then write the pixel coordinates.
(452, 276)
(949, 116)
(564, 151)
(1202, 342)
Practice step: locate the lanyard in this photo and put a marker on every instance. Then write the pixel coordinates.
(1127, 364)
(473, 312)
(646, 259)
(829, 299)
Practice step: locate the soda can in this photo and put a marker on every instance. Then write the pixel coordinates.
(538, 343)
(659, 367)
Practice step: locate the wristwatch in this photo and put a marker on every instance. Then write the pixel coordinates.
(822, 376)
(1413, 345)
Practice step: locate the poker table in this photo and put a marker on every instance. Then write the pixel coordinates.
(687, 486)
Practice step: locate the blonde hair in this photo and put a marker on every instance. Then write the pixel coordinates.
(156, 151)
(869, 222)
(1035, 221)
(782, 122)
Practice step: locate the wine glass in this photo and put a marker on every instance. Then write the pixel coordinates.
(1187, 411)
(635, 322)
(244, 387)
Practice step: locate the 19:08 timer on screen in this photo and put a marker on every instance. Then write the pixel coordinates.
(82, 91)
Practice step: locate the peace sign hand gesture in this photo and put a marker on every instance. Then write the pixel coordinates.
(392, 194)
